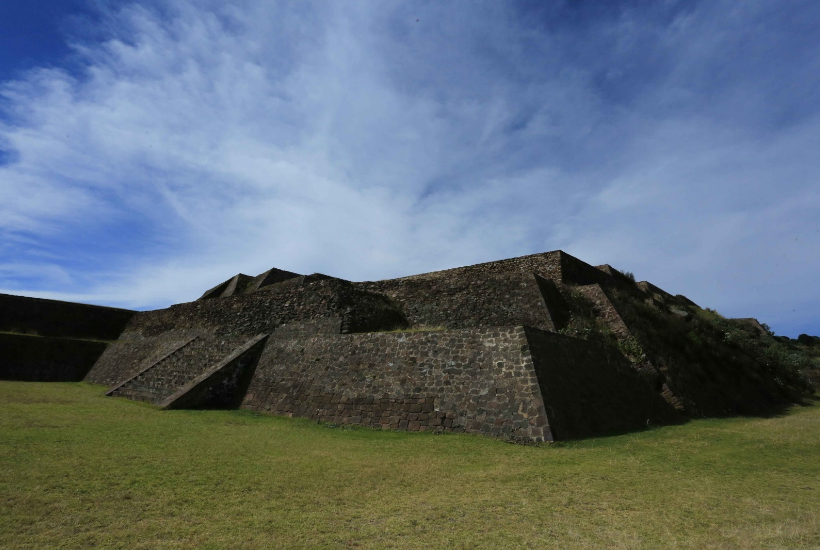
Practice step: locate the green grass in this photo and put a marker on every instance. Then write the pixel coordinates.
(80, 470)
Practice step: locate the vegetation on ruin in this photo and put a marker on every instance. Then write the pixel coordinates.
(582, 319)
(807, 346)
(80, 470)
(706, 354)
(714, 364)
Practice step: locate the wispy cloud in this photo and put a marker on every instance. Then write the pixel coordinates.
(188, 141)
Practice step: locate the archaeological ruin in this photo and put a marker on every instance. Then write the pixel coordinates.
(530, 349)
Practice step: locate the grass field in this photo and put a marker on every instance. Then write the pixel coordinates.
(80, 470)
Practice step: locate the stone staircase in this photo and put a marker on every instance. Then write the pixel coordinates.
(165, 377)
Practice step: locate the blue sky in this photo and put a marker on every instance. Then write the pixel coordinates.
(151, 150)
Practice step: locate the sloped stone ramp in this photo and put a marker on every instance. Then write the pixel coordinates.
(207, 366)
(222, 384)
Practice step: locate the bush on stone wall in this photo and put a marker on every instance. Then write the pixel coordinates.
(714, 364)
(632, 350)
(584, 319)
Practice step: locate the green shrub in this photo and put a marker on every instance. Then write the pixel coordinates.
(632, 349)
(807, 340)
(583, 319)
(714, 363)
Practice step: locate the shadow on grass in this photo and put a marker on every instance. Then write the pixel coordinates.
(778, 410)
(774, 410)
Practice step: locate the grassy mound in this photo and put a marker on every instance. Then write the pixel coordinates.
(80, 470)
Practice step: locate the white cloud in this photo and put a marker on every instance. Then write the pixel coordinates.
(351, 140)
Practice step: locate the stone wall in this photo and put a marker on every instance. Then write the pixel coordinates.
(546, 264)
(555, 303)
(329, 355)
(517, 383)
(238, 284)
(590, 389)
(221, 290)
(163, 378)
(605, 309)
(506, 292)
(296, 299)
(661, 295)
(615, 274)
(708, 373)
(127, 356)
(475, 381)
(223, 384)
(20, 314)
(270, 277)
(311, 327)
(556, 265)
(244, 284)
(655, 292)
(578, 272)
(45, 359)
(468, 300)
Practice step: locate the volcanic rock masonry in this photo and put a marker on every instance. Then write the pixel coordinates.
(530, 349)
